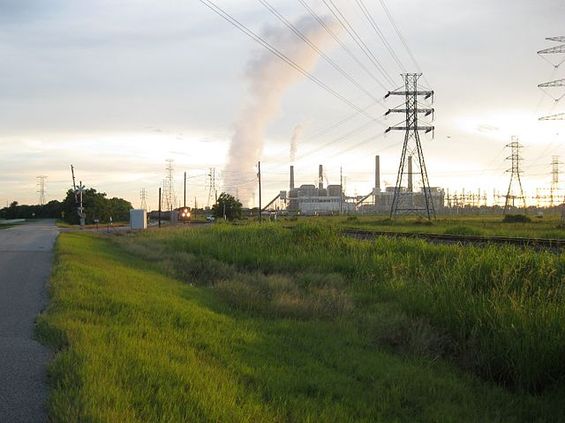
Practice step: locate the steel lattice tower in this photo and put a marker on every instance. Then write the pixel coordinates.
(41, 189)
(404, 199)
(547, 87)
(212, 186)
(515, 172)
(143, 198)
(169, 187)
(554, 179)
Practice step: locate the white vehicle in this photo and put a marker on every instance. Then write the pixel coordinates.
(210, 218)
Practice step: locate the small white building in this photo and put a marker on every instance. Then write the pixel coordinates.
(138, 219)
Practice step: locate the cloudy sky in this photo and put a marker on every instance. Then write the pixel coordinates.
(117, 87)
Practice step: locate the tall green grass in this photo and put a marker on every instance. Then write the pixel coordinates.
(499, 310)
(136, 345)
(493, 225)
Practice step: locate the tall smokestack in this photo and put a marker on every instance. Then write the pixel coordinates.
(321, 177)
(291, 177)
(377, 174)
(410, 182)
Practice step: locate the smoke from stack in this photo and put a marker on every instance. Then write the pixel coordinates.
(296, 134)
(268, 79)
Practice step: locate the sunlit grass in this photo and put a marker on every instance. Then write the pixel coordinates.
(136, 344)
(503, 307)
(484, 225)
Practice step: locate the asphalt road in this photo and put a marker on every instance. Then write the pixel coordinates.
(26, 254)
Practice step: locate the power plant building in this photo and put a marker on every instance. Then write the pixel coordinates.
(316, 200)
(309, 199)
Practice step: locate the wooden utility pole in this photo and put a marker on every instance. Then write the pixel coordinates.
(259, 178)
(159, 206)
(184, 204)
(340, 190)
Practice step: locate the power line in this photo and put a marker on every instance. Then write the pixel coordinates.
(227, 17)
(401, 38)
(354, 131)
(379, 33)
(340, 17)
(304, 38)
(342, 44)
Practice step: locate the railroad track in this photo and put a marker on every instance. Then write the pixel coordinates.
(540, 243)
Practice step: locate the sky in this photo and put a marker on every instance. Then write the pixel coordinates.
(118, 87)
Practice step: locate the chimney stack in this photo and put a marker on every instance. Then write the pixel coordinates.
(291, 177)
(377, 174)
(321, 177)
(410, 182)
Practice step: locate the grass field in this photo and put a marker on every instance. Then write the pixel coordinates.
(259, 323)
(490, 225)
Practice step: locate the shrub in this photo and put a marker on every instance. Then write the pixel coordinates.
(516, 218)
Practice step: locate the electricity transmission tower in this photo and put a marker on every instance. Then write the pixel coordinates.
(169, 186)
(212, 186)
(554, 179)
(515, 172)
(549, 88)
(41, 189)
(560, 49)
(404, 200)
(143, 198)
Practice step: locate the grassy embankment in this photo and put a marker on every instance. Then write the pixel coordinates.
(264, 324)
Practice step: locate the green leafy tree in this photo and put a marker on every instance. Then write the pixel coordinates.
(23, 211)
(96, 206)
(228, 206)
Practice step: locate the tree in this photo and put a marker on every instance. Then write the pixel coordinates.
(51, 210)
(228, 206)
(96, 206)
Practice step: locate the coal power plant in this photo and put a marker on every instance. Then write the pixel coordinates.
(311, 199)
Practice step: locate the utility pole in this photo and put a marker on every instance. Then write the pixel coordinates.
(515, 172)
(41, 184)
(403, 200)
(184, 203)
(82, 216)
(259, 179)
(78, 191)
(341, 190)
(159, 215)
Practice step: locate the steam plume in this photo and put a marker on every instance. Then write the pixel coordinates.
(296, 134)
(268, 79)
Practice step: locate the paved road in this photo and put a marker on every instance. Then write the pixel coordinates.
(26, 253)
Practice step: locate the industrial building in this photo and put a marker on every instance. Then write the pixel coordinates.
(382, 200)
(309, 199)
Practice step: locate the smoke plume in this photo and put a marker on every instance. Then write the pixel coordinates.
(296, 134)
(268, 78)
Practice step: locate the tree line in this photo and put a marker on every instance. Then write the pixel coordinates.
(96, 205)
